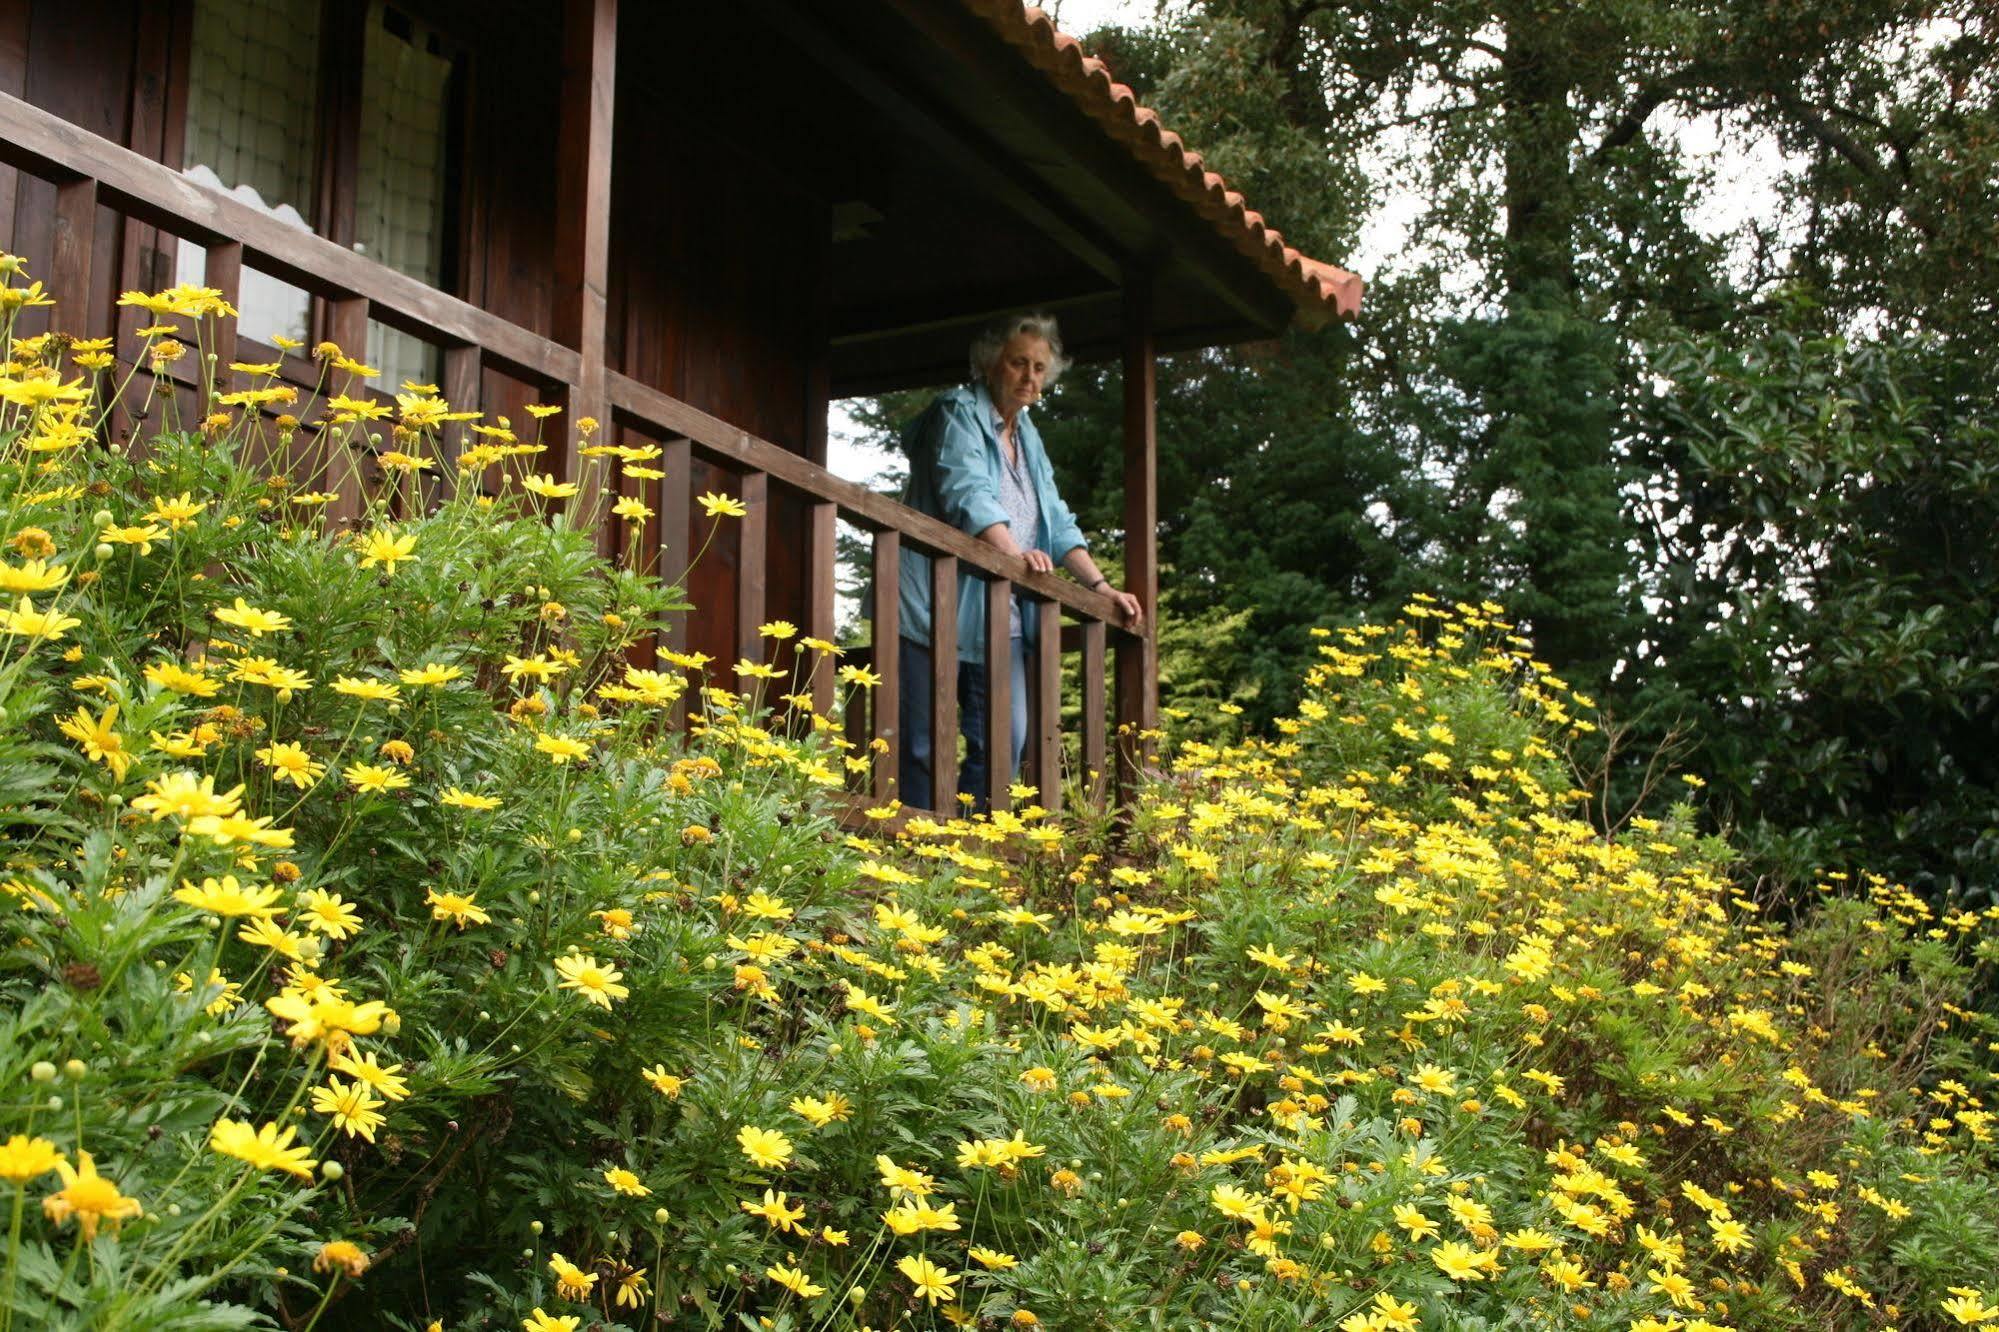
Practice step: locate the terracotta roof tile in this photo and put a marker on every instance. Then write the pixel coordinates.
(1321, 290)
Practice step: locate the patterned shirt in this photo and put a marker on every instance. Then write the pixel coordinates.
(1023, 510)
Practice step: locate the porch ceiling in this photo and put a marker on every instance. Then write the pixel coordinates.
(981, 164)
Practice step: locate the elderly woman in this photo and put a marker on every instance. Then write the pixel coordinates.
(976, 462)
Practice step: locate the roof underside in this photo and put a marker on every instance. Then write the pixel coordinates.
(974, 163)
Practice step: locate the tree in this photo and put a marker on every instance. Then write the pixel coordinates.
(1496, 429)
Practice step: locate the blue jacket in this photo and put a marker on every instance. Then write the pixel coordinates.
(954, 475)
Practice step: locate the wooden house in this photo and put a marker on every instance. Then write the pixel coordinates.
(699, 223)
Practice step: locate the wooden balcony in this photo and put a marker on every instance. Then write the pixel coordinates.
(106, 192)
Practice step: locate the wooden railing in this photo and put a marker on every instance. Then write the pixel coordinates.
(89, 173)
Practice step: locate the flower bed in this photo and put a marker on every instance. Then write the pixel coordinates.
(377, 956)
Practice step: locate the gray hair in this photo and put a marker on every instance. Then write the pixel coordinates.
(986, 347)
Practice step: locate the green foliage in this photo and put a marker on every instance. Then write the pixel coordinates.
(1821, 551)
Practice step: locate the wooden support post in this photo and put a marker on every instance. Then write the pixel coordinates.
(752, 564)
(944, 684)
(1045, 682)
(887, 700)
(583, 231)
(1096, 780)
(69, 269)
(1000, 701)
(1137, 657)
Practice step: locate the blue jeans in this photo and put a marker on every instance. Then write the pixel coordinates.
(915, 786)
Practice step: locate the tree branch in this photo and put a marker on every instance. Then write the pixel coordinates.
(1635, 116)
(1855, 153)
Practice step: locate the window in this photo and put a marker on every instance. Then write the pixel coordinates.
(252, 130)
(400, 215)
(255, 128)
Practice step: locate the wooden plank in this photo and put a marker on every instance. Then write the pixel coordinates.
(1137, 660)
(822, 541)
(1045, 680)
(583, 230)
(752, 556)
(887, 635)
(943, 684)
(1000, 701)
(69, 269)
(45, 145)
(1096, 780)
(664, 414)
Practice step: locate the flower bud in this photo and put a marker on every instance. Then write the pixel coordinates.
(331, 1171)
(43, 1071)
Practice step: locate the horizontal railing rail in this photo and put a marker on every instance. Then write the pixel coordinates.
(90, 172)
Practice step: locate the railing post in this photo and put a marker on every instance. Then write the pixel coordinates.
(224, 272)
(1137, 657)
(887, 700)
(70, 266)
(346, 474)
(752, 556)
(463, 387)
(999, 692)
(822, 598)
(1095, 778)
(583, 229)
(1045, 683)
(944, 684)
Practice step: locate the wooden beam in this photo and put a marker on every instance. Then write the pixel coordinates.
(583, 227)
(1137, 659)
(944, 685)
